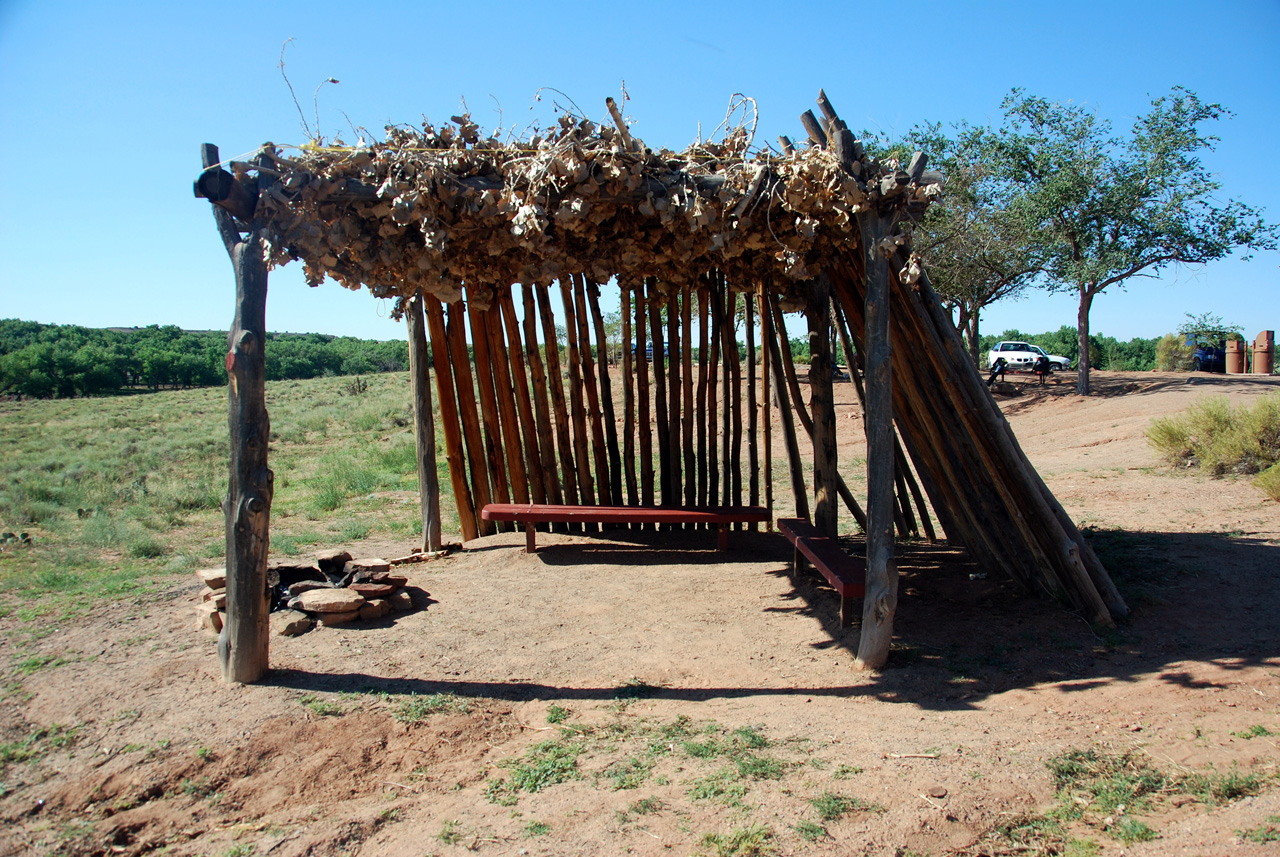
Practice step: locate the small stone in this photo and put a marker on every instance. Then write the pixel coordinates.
(400, 601)
(375, 609)
(214, 578)
(307, 585)
(937, 792)
(208, 617)
(328, 619)
(290, 623)
(360, 568)
(372, 590)
(328, 601)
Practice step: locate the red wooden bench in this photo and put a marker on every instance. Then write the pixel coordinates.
(531, 514)
(847, 574)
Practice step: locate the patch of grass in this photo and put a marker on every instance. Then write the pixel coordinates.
(831, 806)
(536, 828)
(628, 773)
(753, 841)
(36, 744)
(1130, 830)
(543, 765)
(451, 833)
(556, 714)
(633, 689)
(1081, 848)
(1255, 731)
(35, 663)
(322, 707)
(758, 767)
(1268, 832)
(809, 831)
(846, 772)
(724, 786)
(241, 849)
(416, 709)
(1268, 482)
(1088, 780)
(1214, 788)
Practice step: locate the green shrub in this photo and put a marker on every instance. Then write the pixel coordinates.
(1268, 482)
(1173, 354)
(1219, 438)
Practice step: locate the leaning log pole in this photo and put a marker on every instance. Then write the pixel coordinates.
(424, 424)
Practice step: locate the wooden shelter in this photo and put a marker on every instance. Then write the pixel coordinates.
(458, 227)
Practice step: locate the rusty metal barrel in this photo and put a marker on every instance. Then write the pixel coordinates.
(1235, 356)
(1264, 352)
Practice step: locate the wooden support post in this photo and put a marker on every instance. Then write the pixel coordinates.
(753, 452)
(524, 402)
(450, 419)
(555, 383)
(243, 642)
(424, 424)
(660, 395)
(766, 334)
(628, 397)
(726, 383)
(701, 406)
(822, 404)
(504, 385)
(788, 417)
(881, 599)
(686, 379)
(493, 446)
(469, 412)
(541, 407)
(606, 393)
(599, 451)
(674, 365)
(642, 395)
(735, 380)
(712, 414)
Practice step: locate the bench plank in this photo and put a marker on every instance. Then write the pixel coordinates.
(846, 574)
(530, 514)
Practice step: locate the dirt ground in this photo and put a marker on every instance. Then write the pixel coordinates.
(706, 702)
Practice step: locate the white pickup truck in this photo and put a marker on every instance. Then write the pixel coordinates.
(1020, 356)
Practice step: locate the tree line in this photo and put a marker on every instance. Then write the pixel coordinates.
(61, 361)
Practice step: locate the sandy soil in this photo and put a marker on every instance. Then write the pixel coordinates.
(652, 647)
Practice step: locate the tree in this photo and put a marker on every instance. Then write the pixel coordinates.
(1106, 209)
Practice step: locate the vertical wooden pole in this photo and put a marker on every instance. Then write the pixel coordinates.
(674, 365)
(450, 419)
(881, 599)
(723, 297)
(788, 416)
(541, 408)
(243, 642)
(642, 395)
(424, 424)
(493, 448)
(628, 397)
(469, 412)
(735, 376)
(686, 379)
(606, 393)
(702, 392)
(766, 334)
(822, 404)
(504, 385)
(713, 404)
(581, 446)
(524, 403)
(753, 451)
(555, 382)
(599, 452)
(660, 394)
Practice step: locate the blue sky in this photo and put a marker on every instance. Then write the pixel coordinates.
(103, 107)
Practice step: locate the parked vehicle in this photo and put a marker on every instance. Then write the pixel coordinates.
(1209, 356)
(1021, 356)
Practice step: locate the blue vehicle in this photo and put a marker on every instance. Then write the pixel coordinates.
(1208, 356)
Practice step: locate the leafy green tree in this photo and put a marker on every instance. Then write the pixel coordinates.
(1108, 208)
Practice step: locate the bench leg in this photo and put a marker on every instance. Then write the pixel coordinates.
(798, 563)
(847, 606)
(530, 538)
(722, 538)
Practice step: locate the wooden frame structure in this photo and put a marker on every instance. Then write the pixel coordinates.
(451, 224)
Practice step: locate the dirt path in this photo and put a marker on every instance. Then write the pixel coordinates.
(704, 702)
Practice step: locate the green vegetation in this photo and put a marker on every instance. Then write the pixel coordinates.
(451, 833)
(831, 806)
(60, 361)
(417, 709)
(1257, 730)
(1268, 832)
(37, 743)
(809, 831)
(322, 707)
(556, 714)
(753, 841)
(536, 828)
(1219, 438)
(1268, 482)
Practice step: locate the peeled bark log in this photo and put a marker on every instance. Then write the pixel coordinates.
(424, 425)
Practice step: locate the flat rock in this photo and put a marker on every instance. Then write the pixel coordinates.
(327, 601)
(290, 623)
(293, 570)
(357, 568)
(387, 577)
(208, 617)
(328, 619)
(307, 585)
(400, 601)
(372, 590)
(375, 609)
(214, 578)
(217, 597)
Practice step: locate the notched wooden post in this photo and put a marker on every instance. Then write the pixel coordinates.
(242, 645)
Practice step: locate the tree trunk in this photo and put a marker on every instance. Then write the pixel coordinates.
(424, 425)
(1082, 330)
(975, 340)
(881, 599)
